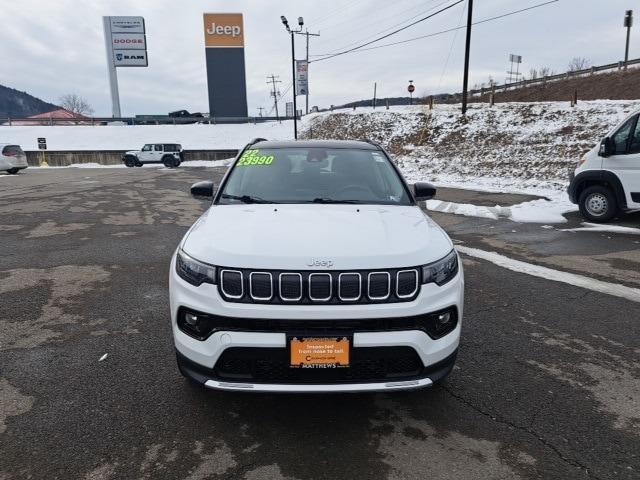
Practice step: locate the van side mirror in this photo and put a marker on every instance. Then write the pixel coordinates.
(606, 147)
(423, 191)
(203, 190)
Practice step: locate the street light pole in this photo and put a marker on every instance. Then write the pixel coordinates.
(628, 22)
(293, 69)
(293, 80)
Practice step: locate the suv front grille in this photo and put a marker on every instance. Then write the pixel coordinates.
(313, 287)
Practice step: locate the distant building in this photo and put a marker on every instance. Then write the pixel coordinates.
(58, 116)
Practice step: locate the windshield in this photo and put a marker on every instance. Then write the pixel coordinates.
(314, 175)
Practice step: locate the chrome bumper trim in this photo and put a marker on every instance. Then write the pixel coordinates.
(326, 388)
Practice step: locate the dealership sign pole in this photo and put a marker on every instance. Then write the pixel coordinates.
(126, 46)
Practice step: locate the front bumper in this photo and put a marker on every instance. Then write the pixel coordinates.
(199, 359)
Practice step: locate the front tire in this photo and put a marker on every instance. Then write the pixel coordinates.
(598, 204)
(130, 162)
(13, 171)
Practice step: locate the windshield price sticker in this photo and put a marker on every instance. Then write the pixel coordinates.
(253, 157)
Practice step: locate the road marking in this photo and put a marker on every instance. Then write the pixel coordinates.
(614, 289)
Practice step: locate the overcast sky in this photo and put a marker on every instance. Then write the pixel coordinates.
(50, 48)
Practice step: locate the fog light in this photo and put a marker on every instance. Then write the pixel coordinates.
(444, 319)
(191, 319)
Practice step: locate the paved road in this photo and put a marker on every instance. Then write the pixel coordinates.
(547, 383)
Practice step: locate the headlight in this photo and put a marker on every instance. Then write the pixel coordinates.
(193, 271)
(441, 271)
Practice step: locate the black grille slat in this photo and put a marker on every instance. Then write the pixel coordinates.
(231, 283)
(379, 285)
(261, 285)
(349, 286)
(320, 286)
(407, 283)
(290, 286)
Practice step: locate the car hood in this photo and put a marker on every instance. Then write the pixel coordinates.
(295, 236)
(131, 152)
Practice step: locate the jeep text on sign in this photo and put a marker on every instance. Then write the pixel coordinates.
(223, 30)
(128, 41)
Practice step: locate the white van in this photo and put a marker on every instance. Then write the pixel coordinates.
(607, 179)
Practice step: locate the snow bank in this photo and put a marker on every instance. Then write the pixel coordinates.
(128, 137)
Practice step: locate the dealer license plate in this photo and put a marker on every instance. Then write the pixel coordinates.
(322, 352)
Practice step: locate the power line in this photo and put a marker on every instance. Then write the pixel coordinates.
(392, 33)
(335, 50)
(441, 31)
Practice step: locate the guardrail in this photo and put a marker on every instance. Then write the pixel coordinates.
(139, 120)
(550, 78)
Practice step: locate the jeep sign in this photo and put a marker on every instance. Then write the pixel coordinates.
(223, 30)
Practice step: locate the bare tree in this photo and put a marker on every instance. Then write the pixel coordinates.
(545, 71)
(579, 63)
(76, 104)
(533, 73)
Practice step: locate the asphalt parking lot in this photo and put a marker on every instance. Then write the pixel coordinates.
(547, 383)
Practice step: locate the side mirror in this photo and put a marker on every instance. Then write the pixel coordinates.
(423, 191)
(203, 190)
(606, 147)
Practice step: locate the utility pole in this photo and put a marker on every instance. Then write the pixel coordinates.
(272, 79)
(628, 22)
(307, 34)
(465, 81)
(375, 87)
(260, 109)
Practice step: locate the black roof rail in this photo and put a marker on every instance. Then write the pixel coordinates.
(257, 140)
(371, 142)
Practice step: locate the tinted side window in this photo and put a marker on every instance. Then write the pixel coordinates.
(634, 147)
(157, 148)
(170, 148)
(621, 137)
(146, 148)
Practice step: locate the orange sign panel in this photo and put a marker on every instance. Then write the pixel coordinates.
(223, 30)
(311, 352)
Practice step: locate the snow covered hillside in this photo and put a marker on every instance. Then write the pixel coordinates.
(531, 143)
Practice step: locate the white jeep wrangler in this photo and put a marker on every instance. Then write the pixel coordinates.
(170, 154)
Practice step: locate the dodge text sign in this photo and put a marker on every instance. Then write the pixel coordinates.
(128, 41)
(223, 30)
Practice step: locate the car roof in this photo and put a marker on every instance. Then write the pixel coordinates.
(348, 144)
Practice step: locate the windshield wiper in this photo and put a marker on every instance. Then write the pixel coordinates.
(332, 200)
(246, 198)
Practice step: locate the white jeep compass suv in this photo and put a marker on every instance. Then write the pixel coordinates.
(315, 270)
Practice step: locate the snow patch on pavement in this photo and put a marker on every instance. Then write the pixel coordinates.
(596, 227)
(581, 281)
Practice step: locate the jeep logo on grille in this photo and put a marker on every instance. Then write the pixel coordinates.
(320, 263)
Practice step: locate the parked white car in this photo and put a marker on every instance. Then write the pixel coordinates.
(607, 179)
(315, 270)
(170, 154)
(12, 158)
